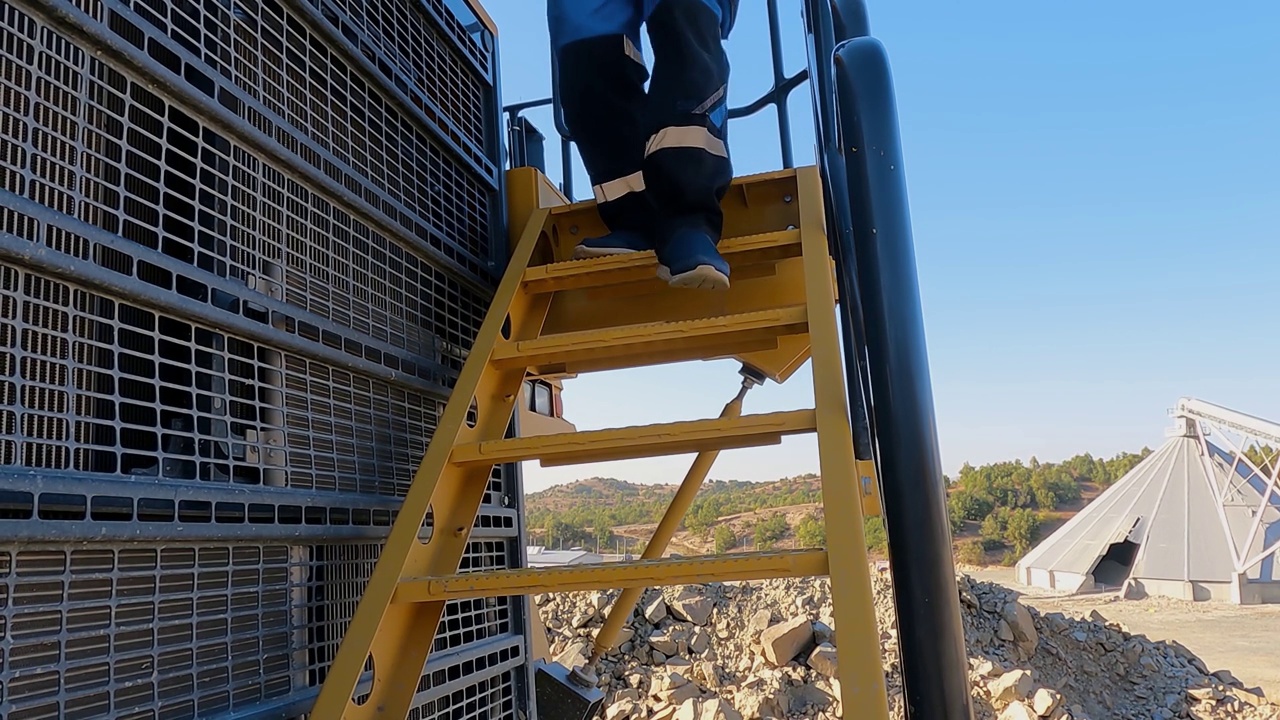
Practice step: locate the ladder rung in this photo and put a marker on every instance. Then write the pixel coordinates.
(605, 576)
(640, 267)
(653, 343)
(642, 441)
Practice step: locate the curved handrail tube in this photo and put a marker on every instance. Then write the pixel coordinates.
(852, 20)
(935, 664)
(770, 97)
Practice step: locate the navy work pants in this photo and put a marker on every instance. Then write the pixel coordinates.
(658, 160)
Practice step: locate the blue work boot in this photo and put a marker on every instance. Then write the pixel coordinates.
(689, 259)
(615, 243)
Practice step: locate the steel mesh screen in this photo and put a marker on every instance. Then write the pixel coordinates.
(245, 250)
(194, 631)
(126, 632)
(486, 699)
(290, 76)
(89, 141)
(95, 383)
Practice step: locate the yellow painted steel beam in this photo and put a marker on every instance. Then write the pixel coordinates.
(642, 441)
(761, 203)
(398, 637)
(772, 285)
(605, 576)
(614, 271)
(652, 343)
(667, 527)
(862, 685)
(529, 191)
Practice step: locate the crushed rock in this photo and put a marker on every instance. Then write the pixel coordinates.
(766, 650)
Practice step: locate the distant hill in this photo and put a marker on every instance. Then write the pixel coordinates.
(598, 509)
(997, 510)
(617, 502)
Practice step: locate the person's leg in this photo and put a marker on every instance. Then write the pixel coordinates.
(601, 83)
(686, 166)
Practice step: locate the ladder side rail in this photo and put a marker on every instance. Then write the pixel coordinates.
(934, 658)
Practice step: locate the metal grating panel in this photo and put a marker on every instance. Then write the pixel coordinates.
(178, 632)
(244, 248)
(345, 572)
(94, 383)
(288, 75)
(91, 142)
(253, 43)
(488, 699)
(128, 632)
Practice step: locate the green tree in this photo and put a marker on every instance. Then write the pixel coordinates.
(563, 533)
(769, 532)
(725, 539)
(1021, 530)
(969, 504)
(812, 532)
(1013, 528)
(1263, 457)
(604, 533)
(695, 523)
(994, 526)
(874, 534)
(971, 552)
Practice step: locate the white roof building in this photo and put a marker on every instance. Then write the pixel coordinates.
(1195, 520)
(538, 556)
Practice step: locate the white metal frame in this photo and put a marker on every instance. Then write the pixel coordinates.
(1233, 433)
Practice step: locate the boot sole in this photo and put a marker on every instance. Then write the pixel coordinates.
(583, 253)
(703, 277)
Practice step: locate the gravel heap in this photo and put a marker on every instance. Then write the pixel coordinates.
(766, 651)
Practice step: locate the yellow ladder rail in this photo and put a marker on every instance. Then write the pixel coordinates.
(550, 314)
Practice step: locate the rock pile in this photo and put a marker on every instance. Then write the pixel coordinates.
(767, 651)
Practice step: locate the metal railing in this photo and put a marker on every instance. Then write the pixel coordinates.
(886, 359)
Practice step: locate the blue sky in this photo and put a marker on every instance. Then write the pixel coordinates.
(1095, 190)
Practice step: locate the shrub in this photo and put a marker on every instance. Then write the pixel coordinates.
(971, 552)
(812, 532)
(770, 531)
(875, 535)
(725, 540)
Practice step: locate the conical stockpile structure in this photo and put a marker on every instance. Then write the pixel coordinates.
(1198, 519)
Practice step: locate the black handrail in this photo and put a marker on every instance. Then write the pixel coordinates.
(886, 361)
(931, 636)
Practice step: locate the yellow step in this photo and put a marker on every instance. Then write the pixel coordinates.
(636, 267)
(652, 343)
(635, 574)
(642, 441)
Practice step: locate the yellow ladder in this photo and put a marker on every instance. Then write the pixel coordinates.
(552, 315)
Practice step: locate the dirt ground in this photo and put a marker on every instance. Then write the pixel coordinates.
(1244, 640)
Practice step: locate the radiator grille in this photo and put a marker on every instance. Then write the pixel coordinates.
(96, 144)
(270, 54)
(94, 383)
(482, 700)
(192, 631)
(245, 250)
(181, 632)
